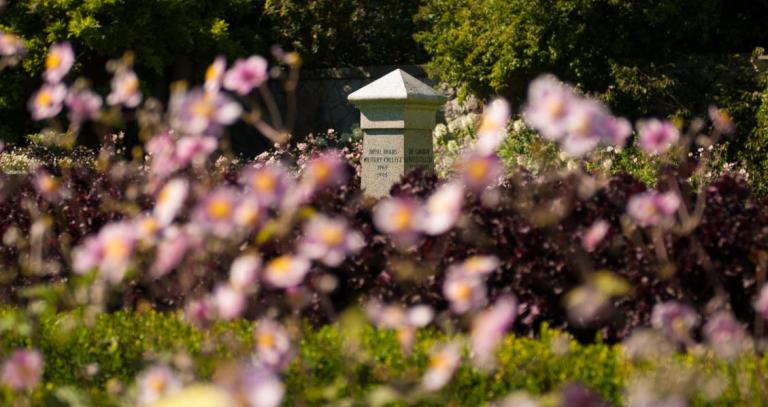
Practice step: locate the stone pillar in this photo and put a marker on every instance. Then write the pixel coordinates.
(397, 116)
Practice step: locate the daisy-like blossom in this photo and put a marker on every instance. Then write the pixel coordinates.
(249, 213)
(464, 292)
(154, 383)
(216, 212)
(160, 150)
(405, 321)
(200, 112)
(761, 305)
(23, 370)
(653, 208)
(721, 120)
(269, 183)
(493, 127)
(286, 271)
(199, 312)
(474, 266)
(674, 320)
(273, 344)
(215, 74)
(489, 327)
(656, 136)
(228, 301)
(401, 218)
(246, 75)
(444, 208)
(585, 304)
(243, 273)
(549, 102)
(594, 235)
(442, 365)
(170, 200)
(58, 62)
(725, 335)
(110, 251)
(194, 149)
(170, 252)
(147, 228)
(615, 130)
(583, 128)
(117, 241)
(329, 240)
(253, 385)
(11, 46)
(125, 89)
(83, 104)
(324, 170)
(480, 171)
(47, 186)
(47, 101)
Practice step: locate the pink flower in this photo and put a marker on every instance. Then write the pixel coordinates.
(87, 255)
(194, 150)
(228, 301)
(325, 170)
(721, 120)
(47, 186)
(199, 312)
(488, 329)
(216, 212)
(47, 101)
(117, 241)
(286, 271)
(214, 74)
(442, 364)
(329, 240)
(475, 266)
(493, 127)
(674, 320)
(58, 62)
(253, 386)
(170, 199)
(154, 383)
(583, 127)
(243, 273)
(444, 208)
(464, 292)
(615, 130)
(201, 112)
(83, 105)
(549, 103)
(480, 171)
(170, 252)
(401, 218)
(23, 370)
(725, 335)
(652, 208)
(761, 305)
(146, 228)
(269, 183)
(656, 136)
(249, 213)
(125, 89)
(11, 46)
(246, 75)
(273, 345)
(594, 235)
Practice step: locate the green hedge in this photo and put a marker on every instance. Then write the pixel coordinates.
(348, 361)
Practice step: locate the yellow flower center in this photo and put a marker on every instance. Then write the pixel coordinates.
(266, 340)
(44, 98)
(116, 248)
(211, 73)
(462, 291)
(555, 108)
(48, 184)
(321, 172)
(264, 182)
(165, 195)
(52, 61)
(130, 85)
(281, 265)
(149, 226)
(332, 235)
(477, 169)
(248, 215)
(438, 361)
(402, 218)
(219, 209)
(157, 384)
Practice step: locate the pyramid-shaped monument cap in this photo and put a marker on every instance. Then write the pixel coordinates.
(397, 86)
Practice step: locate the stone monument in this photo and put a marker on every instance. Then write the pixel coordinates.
(397, 115)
